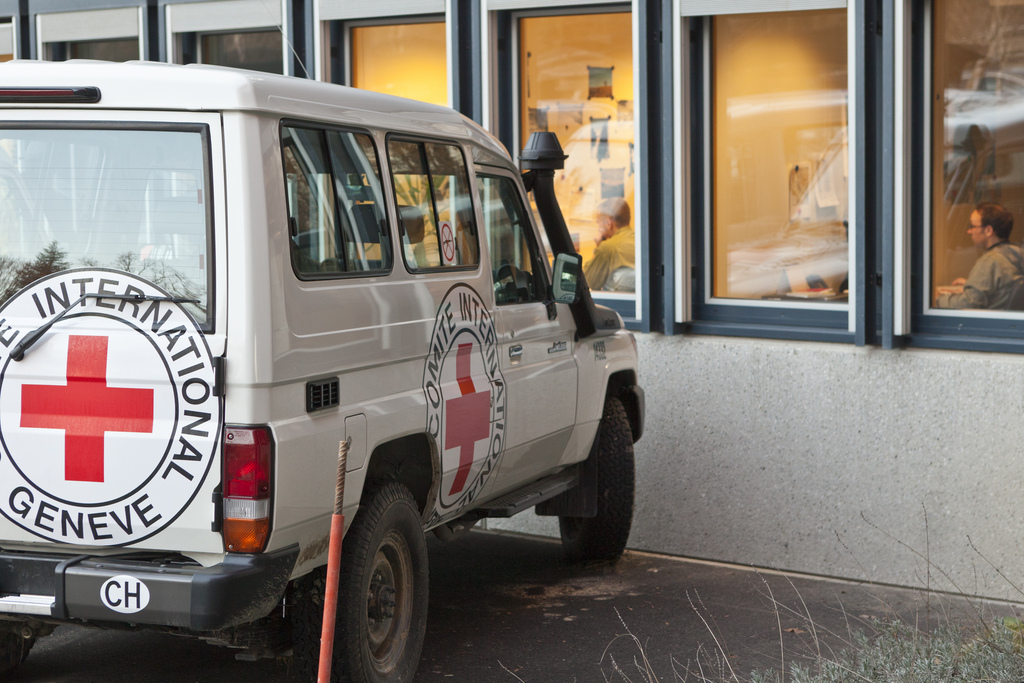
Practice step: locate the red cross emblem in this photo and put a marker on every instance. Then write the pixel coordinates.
(468, 418)
(86, 408)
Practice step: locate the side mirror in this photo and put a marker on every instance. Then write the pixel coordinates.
(565, 286)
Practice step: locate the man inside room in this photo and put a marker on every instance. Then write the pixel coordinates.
(613, 267)
(999, 269)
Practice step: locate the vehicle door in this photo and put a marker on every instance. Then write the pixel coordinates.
(536, 337)
(112, 231)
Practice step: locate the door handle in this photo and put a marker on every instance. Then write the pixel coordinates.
(515, 351)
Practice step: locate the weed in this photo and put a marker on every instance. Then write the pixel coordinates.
(888, 650)
(892, 652)
(640, 661)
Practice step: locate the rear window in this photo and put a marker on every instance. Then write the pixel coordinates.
(133, 200)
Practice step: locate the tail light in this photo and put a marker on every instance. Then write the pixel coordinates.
(246, 482)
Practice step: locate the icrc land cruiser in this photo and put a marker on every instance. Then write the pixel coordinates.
(210, 279)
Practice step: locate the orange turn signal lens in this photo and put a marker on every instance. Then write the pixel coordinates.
(246, 535)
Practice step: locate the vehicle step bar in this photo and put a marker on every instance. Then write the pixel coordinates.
(37, 605)
(525, 498)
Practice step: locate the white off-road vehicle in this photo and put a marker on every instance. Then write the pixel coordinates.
(210, 279)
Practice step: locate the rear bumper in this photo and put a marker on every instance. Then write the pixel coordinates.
(49, 587)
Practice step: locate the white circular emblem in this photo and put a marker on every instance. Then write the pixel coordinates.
(465, 398)
(108, 422)
(124, 594)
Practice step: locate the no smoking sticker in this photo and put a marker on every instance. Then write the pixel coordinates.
(447, 243)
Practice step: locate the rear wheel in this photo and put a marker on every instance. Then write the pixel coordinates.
(13, 650)
(382, 596)
(603, 537)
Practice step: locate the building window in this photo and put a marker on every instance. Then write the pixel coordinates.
(965, 166)
(256, 50)
(246, 34)
(779, 157)
(576, 80)
(977, 155)
(407, 60)
(6, 41)
(111, 35)
(121, 50)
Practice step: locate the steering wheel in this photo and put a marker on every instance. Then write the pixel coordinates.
(513, 283)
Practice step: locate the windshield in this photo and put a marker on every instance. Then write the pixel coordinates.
(131, 200)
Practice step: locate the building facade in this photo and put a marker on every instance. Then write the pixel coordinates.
(800, 177)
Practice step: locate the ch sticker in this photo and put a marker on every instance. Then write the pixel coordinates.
(124, 594)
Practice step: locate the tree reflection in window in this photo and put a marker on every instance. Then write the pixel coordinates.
(16, 274)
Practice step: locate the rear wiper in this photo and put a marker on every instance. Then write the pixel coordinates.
(19, 350)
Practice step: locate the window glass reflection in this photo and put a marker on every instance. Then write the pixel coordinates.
(515, 261)
(6, 41)
(576, 80)
(407, 60)
(435, 207)
(977, 154)
(131, 200)
(255, 50)
(335, 202)
(119, 50)
(780, 158)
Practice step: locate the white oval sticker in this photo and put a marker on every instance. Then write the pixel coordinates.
(124, 594)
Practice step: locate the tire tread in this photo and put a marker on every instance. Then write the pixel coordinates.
(603, 538)
(348, 664)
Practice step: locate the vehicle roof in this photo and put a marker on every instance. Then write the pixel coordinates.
(200, 87)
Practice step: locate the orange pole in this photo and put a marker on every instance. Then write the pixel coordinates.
(333, 571)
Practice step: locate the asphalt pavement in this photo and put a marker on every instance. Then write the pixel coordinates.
(506, 607)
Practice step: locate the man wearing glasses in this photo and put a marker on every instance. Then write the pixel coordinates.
(999, 269)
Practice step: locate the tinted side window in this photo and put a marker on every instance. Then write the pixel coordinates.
(515, 261)
(435, 207)
(335, 203)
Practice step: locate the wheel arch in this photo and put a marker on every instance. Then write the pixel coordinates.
(623, 385)
(409, 460)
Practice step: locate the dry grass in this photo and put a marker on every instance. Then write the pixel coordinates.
(978, 648)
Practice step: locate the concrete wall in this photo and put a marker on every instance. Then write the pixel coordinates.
(833, 460)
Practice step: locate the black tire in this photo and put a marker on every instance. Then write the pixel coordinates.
(13, 651)
(603, 538)
(383, 559)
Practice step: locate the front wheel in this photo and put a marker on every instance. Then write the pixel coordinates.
(603, 537)
(382, 596)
